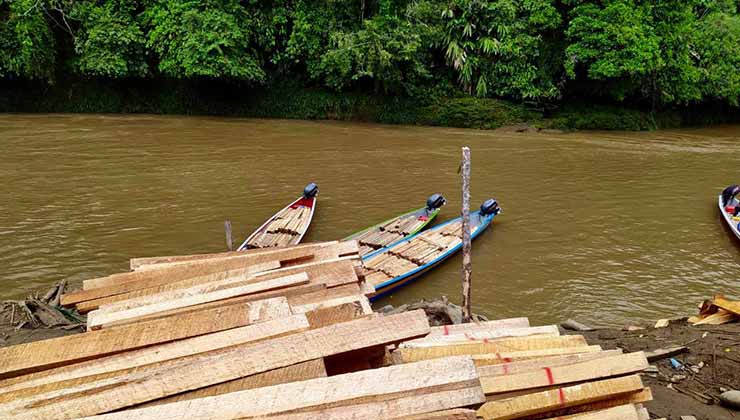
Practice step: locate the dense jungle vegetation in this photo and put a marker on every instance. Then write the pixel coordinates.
(447, 60)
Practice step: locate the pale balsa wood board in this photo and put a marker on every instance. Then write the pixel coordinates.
(545, 401)
(334, 272)
(351, 289)
(487, 336)
(359, 299)
(497, 346)
(151, 262)
(188, 373)
(46, 354)
(404, 406)
(99, 319)
(454, 414)
(316, 394)
(127, 282)
(300, 372)
(239, 274)
(475, 327)
(558, 375)
(539, 363)
(636, 397)
(179, 293)
(323, 317)
(622, 412)
(153, 354)
(518, 356)
(286, 292)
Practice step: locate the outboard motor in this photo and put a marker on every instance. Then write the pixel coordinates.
(311, 190)
(490, 206)
(729, 192)
(435, 201)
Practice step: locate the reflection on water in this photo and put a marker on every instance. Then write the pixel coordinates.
(602, 227)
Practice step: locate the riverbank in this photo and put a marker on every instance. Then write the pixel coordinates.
(293, 101)
(706, 355)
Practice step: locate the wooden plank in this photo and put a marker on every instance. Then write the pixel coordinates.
(488, 336)
(636, 397)
(153, 354)
(208, 270)
(509, 368)
(454, 414)
(527, 355)
(345, 312)
(87, 306)
(179, 293)
(622, 412)
(727, 305)
(498, 346)
(475, 327)
(300, 372)
(46, 354)
(99, 319)
(176, 376)
(286, 292)
(333, 272)
(721, 317)
(392, 408)
(545, 401)
(359, 299)
(352, 289)
(335, 392)
(559, 375)
(149, 262)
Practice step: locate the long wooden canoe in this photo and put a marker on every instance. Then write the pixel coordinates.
(729, 207)
(404, 261)
(288, 226)
(395, 229)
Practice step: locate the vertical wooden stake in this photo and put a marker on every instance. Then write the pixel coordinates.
(229, 243)
(467, 267)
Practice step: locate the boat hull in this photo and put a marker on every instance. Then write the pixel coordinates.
(395, 283)
(308, 202)
(732, 224)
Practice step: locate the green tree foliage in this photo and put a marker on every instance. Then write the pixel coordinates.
(26, 40)
(670, 51)
(660, 53)
(386, 50)
(209, 38)
(494, 45)
(109, 39)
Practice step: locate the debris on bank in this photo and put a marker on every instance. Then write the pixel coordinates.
(40, 311)
(288, 333)
(717, 311)
(439, 311)
(695, 368)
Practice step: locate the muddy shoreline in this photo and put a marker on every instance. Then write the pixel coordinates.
(708, 359)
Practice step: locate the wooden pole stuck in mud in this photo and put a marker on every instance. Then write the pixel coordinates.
(467, 264)
(229, 243)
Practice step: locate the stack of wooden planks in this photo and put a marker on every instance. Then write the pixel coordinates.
(284, 228)
(717, 311)
(289, 334)
(534, 373)
(418, 251)
(384, 235)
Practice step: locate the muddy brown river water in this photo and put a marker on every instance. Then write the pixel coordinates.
(601, 226)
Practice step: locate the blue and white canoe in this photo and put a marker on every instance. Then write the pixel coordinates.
(729, 207)
(403, 261)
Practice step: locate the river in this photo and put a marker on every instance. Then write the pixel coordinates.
(604, 227)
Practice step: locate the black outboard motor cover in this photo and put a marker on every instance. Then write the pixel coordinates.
(435, 201)
(490, 206)
(311, 190)
(729, 192)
